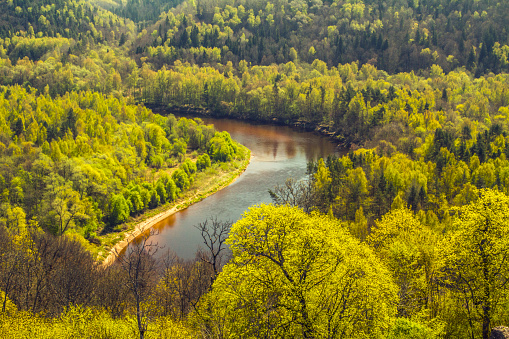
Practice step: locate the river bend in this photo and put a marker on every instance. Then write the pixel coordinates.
(278, 152)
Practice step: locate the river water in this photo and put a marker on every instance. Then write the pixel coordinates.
(278, 152)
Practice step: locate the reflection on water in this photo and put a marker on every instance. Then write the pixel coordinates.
(279, 152)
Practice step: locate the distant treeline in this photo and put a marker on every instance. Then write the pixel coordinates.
(395, 36)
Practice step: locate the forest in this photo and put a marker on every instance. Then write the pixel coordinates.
(402, 237)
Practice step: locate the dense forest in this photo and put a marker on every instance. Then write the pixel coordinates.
(394, 36)
(403, 237)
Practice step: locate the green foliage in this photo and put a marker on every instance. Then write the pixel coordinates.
(161, 192)
(203, 162)
(181, 179)
(37, 28)
(155, 199)
(222, 148)
(119, 209)
(294, 274)
(399, 37)
(78, 321)
(474, 256)
(156, 136)
(135, 200)
(421, 84)
(172, 190)
(189, 167)
(88, 159)
(396, 112)
(451, 281)
(408, 249)
(179, 147)
(145, 10)
(404, 328)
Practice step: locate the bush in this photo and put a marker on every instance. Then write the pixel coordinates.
(203, 162)
(407, 329)
(181, 179)
(189, 167)
(154, 199)
(171, 190)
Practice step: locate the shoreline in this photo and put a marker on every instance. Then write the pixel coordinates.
(148, 223)
(323, 130)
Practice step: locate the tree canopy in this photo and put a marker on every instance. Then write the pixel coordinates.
(299, 275)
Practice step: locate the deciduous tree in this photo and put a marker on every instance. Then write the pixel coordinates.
(475, 256)
(298, 275)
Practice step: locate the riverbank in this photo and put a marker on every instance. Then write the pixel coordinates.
(217, 177)
(301, 125)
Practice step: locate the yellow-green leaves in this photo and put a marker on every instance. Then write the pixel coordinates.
(295, 274)
(408, 249)
(222, 148)
(474, 263)
(397, 223)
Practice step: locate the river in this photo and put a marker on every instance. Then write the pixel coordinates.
(278, 152)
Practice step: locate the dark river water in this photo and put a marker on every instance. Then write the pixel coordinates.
(279, 152)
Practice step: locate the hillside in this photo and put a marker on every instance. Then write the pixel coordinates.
(36, 28)
(403, 237)
(395, 36)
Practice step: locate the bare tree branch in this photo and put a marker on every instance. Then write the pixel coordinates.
(214, 234)
(140, 267)
(293, 193)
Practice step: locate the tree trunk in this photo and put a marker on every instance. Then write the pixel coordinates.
(139, 318)
(486, 302)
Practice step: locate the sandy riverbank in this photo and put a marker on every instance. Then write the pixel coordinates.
(222, 182)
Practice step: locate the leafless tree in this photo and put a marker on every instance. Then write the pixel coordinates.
(140, 268)
(167, 295)
(9, 265)
(183, 283)
(294, 193)
(71, 274)
(214, 234)
(47, 273)
(112, 291)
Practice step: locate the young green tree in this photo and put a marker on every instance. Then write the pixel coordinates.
(203, 162)
(68, 208)
(181, 179)
(119, 209)
(62, 204)
(407, 248)
(222, 147)
(475, 256)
